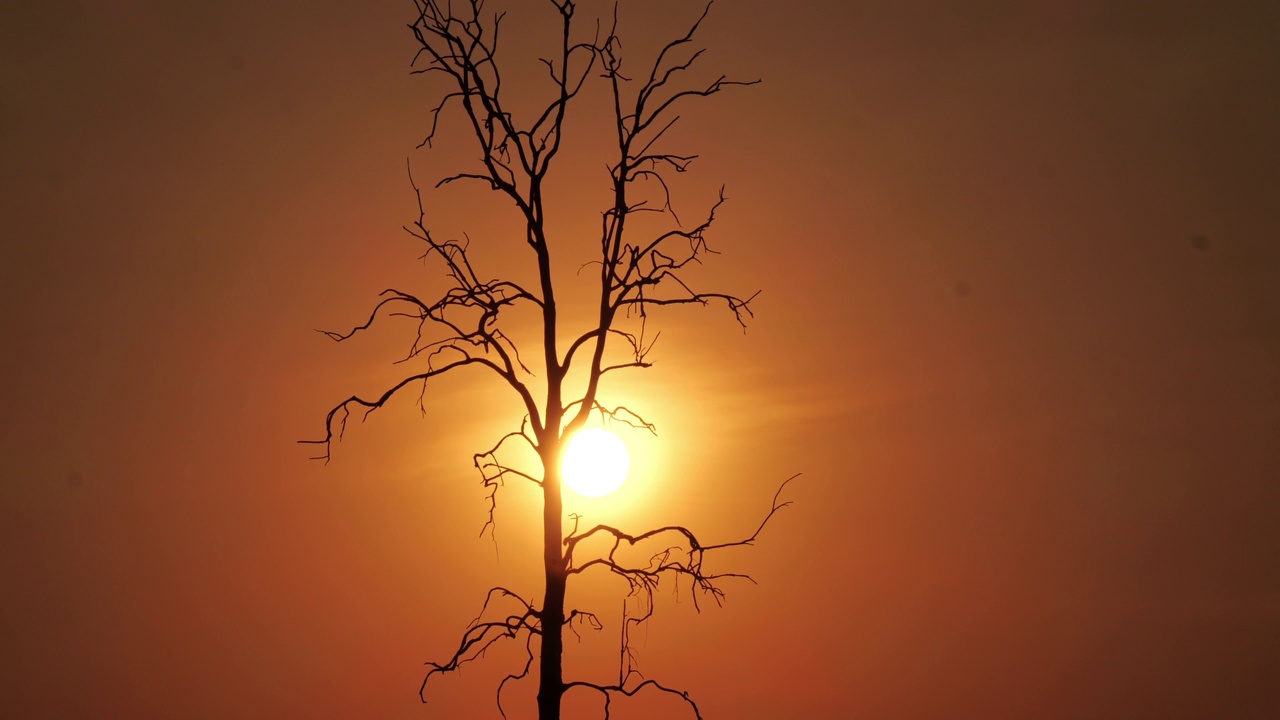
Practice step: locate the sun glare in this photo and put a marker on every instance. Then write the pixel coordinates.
(595, 462)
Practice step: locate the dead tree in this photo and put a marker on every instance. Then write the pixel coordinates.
(464, 325)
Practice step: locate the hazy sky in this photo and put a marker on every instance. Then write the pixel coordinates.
(1019, 329)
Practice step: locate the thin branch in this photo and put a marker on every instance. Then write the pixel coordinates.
(342, 411)
(480, 636)
(684, 560)
(493, 473)
(607, 690)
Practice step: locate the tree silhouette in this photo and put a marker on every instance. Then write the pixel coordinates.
(467, 324)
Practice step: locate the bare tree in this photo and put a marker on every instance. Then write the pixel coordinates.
(467, 324)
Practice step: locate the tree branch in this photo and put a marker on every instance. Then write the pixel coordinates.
(480, 636)
(342, 411)
(682, 560)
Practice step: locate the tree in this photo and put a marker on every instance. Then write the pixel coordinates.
(467, 324)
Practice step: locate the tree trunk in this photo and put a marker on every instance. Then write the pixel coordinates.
(551, 677)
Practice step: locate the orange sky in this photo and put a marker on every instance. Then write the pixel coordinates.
(1019, 329)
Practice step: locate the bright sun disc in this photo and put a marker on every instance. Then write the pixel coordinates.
(595, 462)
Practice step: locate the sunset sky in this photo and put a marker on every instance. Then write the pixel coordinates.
(1019, 330)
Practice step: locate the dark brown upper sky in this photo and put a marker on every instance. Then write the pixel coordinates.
(1020, 330)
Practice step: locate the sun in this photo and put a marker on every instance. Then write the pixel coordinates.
(595, 462)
